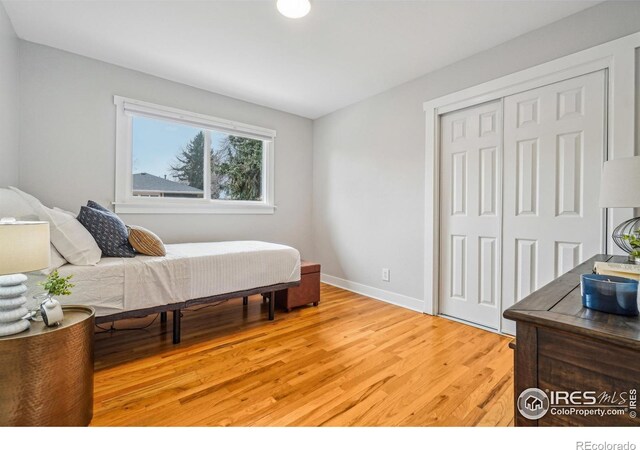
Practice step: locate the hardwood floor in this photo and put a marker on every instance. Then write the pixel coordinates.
(350, 361)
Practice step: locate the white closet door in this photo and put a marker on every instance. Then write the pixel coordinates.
(470, 214)
(554, 144)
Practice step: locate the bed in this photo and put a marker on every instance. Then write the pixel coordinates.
(189, 274)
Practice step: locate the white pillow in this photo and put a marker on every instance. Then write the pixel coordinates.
(56, 261)
(70, 238)
(13, 205)
(75, 216)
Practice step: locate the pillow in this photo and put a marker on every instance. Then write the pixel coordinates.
(99, 207)
(56, 261)
(13, 205)
(33, 202)
(108, 230)
(68, 236)
(146, 242)
(55, 208)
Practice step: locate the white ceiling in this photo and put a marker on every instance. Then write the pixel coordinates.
(342, 52)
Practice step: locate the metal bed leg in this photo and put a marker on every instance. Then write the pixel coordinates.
(272, 306)
(176, 326)
(245, 301)
(163, 317)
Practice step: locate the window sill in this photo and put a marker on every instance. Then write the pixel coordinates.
(197, 208)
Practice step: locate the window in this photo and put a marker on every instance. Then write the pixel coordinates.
(173, 161)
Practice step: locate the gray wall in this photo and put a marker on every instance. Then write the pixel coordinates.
(67, 145)
(368, 163)
(9, 106)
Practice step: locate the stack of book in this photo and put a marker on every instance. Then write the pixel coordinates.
(618, 269)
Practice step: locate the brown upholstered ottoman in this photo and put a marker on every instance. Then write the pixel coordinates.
(307, 292)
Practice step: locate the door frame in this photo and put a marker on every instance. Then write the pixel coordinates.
(618, 57)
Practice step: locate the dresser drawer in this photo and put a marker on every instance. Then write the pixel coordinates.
(571, 363)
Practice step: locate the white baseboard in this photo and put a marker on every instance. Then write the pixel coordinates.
(411, 303)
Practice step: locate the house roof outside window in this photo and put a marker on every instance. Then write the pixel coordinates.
(147, 183)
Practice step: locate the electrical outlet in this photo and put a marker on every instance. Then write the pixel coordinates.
(385, 274)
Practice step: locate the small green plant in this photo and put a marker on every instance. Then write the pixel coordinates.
(57, 285)
(633, 239)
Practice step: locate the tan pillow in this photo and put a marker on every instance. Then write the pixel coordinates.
(145, 242)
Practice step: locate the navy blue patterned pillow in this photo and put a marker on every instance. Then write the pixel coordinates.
(99, 207)
(109, 232)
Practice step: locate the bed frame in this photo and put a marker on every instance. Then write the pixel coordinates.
(175, 308)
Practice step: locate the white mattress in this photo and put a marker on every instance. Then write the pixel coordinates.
(189, 271)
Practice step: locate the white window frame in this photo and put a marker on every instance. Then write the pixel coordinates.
(126, 202)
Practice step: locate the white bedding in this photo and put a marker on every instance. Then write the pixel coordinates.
(189, 271)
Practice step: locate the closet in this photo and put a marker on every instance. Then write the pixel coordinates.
(519, 183)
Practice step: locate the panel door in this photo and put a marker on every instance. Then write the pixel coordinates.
(470, 211)
(554, 143)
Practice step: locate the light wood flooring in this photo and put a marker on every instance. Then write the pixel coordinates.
(352, 361)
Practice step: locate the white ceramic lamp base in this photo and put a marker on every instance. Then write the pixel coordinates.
(12, 304)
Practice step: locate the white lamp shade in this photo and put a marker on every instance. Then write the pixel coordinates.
(620, 183)
(24, 247)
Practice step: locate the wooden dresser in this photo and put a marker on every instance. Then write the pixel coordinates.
(562, 347)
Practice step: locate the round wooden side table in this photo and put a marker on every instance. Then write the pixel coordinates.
(46, 374)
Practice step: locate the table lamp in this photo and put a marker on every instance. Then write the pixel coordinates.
(620, 188)
(24, 247)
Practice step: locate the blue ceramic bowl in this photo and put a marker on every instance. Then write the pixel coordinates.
(606, 293)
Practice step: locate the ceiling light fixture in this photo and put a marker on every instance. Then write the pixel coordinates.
(294, 9)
